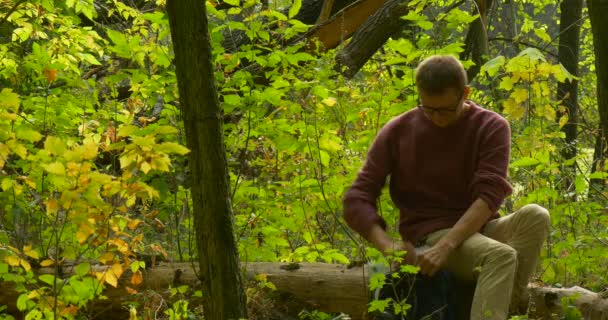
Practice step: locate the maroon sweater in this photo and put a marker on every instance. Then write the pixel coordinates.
(435, 173)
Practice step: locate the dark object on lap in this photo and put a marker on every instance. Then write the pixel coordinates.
(431, 298)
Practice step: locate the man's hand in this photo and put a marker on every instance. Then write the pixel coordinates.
(433, 259)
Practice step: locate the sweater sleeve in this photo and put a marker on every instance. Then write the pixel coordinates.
(360, 211)
(490, 178)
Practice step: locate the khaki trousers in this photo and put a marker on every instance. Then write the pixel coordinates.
(501, 260)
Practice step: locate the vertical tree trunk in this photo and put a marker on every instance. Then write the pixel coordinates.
(570, 25)
(220, 275)
(476, 41)
(598, 11)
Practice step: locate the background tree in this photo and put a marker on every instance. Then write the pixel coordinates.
(598, 9)
(567, 91)
(220, 275)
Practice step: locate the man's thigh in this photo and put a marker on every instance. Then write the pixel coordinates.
(465, 261)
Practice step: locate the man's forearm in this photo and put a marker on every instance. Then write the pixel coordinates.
(470, 223)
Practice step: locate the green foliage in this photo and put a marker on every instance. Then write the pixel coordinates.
(94, 169)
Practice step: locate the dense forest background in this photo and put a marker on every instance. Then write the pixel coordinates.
(94, 170)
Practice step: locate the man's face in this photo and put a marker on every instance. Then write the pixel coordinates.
(443, 109)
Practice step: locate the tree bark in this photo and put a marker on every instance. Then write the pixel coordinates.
(223, 293)
(330, 288)
(570, 25)
(598, 11)
(476, 41)
(371, 36)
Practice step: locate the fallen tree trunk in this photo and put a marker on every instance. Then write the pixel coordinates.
(325, 287)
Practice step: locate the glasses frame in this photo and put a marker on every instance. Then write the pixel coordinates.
(441, 111)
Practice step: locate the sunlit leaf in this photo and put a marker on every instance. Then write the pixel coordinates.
(9, 100)
(47, 278)
(295, 8)
(56, 168)
(524, 162)
(83, 269)
(32, 253)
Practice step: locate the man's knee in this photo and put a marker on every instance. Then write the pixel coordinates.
(536, 214)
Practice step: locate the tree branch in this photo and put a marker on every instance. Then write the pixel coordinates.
(524, 43)
(8, 14)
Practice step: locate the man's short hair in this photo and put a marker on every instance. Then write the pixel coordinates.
(438, 73)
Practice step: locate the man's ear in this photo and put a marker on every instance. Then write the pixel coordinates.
(466, 92)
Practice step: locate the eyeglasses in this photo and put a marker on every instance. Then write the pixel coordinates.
(441, 111)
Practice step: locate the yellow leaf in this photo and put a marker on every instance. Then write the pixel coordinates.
(513, 109)
(520, 95)
(26, 265)
(506, 83)
(32, 253)
(330, 101)
(563, 120)
(12, 261)
(90, 150)
(106, 257)
(6, 184)
(134, 223)
(121, 245)
(85, 230)
(54, 145)
(56, 168)
(145, 167)
(117, 270)
(17, 148)
(47, 263)
(33, 294)
(111, 279)
(9, 100)
(549, 112)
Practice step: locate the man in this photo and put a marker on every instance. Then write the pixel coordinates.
(448, 162)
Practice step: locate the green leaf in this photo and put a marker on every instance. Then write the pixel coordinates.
(409, 269)
(295, 8)
(377, 281)
(524, 162)
(543, 35)
(22, 302)
(324, 158)
(56, 168)
(126, 130)
(54, 145)
(492, 66)
(234, 3)
(7, 183)
(47, 278)
(580, 183)
(82, 269)
(533, 54)
(340, 258)
(172, 147)
(307, 237)
(3, 268)
(595, 175)
(28, 135)
(90, 59)
(379, 305)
